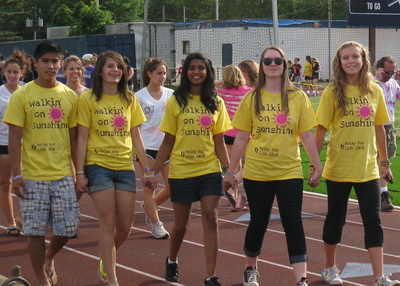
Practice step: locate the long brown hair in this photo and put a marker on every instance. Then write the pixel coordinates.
(286, 84)
(97, 86)
(340, 81)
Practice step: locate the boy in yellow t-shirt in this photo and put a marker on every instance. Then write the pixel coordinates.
(42, 114)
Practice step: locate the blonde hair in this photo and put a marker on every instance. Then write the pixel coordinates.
(77, 60)
(340, 80)
(251, 68)
(286, 84)
(232, 77)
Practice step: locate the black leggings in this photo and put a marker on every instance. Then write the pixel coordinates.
(369, 200)
(289, 195)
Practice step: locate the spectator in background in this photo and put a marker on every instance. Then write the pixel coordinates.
(73, 71)
(249, 69)
(290, 70)
(153, 98)
(30, 72)
(178, 72)
(89, 69)
(316, 68)
(308, 74)
(131, 72)
(384, 70)
(233, 90)
(94, 59)
(297, 72)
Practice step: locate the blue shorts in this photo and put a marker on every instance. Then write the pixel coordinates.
(191, 190)
(101, 178)
(50, 202)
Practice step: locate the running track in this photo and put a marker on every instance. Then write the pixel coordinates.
(141, 259)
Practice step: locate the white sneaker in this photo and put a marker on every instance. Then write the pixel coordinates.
(385, 281)
(159, 231)
(250, 277)
(146, 216)
(331, 276)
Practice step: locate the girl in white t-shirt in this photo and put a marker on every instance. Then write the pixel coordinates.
(73, 70)
(153, 98)
(13, 71)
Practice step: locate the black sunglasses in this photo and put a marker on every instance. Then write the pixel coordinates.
(389, 72)
(267, 61)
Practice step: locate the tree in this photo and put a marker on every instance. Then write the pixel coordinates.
(12, 20)
(124, 11)
(63, 16)
(91, 20)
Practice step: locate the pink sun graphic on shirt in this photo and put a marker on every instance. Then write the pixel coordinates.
(56, 113)
(281, 119)
(118, 121)
(364, 111)
(205, 120)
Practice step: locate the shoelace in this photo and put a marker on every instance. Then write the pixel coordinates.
(252, 275)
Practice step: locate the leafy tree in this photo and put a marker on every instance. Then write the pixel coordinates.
(63, 16)
(12, 20)
(124, 11)
(92, 20)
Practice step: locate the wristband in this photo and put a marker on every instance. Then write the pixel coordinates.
(16, 177)
(80, 173)
(149, 170)
(230, 174)
(385, 163)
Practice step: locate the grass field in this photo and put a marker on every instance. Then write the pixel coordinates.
(394, 188)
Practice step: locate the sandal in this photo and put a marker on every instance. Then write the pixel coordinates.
(102, 274)
(12, 230)
(230, 198)
(52, 276)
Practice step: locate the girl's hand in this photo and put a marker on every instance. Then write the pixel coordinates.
(314, 178)
(229, 182)
(149, 180)
(81, 184)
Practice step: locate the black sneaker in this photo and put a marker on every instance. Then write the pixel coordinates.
(213, 281)
(171, 272)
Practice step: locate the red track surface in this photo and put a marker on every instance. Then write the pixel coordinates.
(141, 259)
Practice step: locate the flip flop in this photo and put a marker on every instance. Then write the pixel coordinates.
(102, 274)
(12, 230)
(52, 276)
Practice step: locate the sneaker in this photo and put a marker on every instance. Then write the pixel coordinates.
(158, 231)
(385, 281)
(146, 216)
(250, 277)
(171, 271)
(331, 276)
(102, 274)
(303, 282)
(386, 204)
(213, 281)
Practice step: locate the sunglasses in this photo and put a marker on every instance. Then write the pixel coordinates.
(389, 72)
(267, 61)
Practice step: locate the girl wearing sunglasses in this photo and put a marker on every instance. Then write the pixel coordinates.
(270, 120)
(354, 108)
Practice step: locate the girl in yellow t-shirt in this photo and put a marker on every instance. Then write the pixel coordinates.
(308, 74)
(109, 116)
(354, 109)
(194, 121)
(270, 120)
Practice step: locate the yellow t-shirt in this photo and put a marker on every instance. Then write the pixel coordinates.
(194, 127)
(308, 69)
(352, 148)
(109, 121)
(46, 114)
(273, 152)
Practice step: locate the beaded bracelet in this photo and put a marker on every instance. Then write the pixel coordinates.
(149, 170)
(230, 173)
(385, 163)
(16, 177)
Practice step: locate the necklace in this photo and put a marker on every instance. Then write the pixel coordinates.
(273, 99)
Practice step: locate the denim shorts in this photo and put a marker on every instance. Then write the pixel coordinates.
(190, 190)
(51, 203)
(101, 178)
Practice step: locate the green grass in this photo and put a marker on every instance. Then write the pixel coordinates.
(395, 167)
